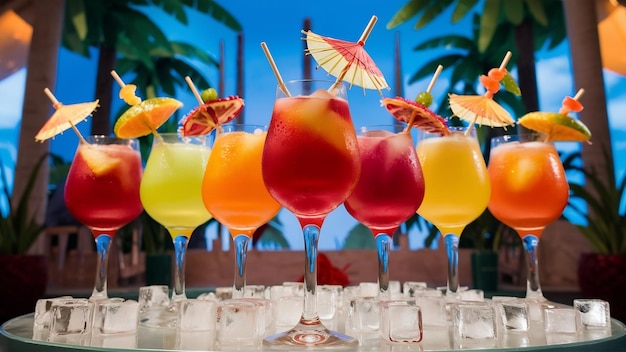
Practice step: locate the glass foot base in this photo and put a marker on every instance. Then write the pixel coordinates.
(315, 336)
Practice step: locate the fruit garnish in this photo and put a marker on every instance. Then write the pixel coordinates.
(424, 98)
(98, 161)
(416, 113)
(209, 94)
(127, 93)
(559, 127)
(145, 118)
(482, 109)
(423, 118)
(210, 113)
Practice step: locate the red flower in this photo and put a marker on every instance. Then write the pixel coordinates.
(328, 274)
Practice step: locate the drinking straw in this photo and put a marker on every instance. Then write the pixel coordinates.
(281, 83)
(57, 105)
(194, 90)
(430, 87)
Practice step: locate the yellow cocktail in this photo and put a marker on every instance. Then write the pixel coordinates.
(457, 187)
(171, 192)
(233, 188)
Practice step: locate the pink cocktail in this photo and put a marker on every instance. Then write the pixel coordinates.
(389, 191)
(102, 192)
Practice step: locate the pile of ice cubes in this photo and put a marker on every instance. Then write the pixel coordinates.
(415, 316)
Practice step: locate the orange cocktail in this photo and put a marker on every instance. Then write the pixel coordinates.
(528, 191)
(528, 186)
(233, 189)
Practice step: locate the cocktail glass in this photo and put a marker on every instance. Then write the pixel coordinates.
(234, 192)
(389, 191)
(529, 190)
(311, 164)
(102, 192)
(457, 188)
(171, 194)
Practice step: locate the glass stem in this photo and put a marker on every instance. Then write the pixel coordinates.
(311, 236)
(452, 249)
(533, 289)
(241, 252)
(103, 243)
(180, 249)
(383, 245)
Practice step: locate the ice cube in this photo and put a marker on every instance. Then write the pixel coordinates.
(238, 323)
(42, 311)
(474, 320)
(400, 321)
(153, 296)
(72, 316)
(433, 309)
(363, 315)
(513, 314)
(197, 315)
(595, 313)
(562, 320)
(410, 288)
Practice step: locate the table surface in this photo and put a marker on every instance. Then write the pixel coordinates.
(17, 335)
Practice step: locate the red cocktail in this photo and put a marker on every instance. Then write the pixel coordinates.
(102, 192)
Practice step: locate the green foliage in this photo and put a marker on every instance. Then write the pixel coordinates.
(18, 230)
(360, 237)
(271, 235)
(603, 211)
(494, 13)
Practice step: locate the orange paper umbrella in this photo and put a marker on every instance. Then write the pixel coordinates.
(210, 114)
(64, 118)
(482, 109)
(348, 61)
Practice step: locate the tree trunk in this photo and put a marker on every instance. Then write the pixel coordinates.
(101, 120)
(42, 73)
(527, 76)
(582, 31)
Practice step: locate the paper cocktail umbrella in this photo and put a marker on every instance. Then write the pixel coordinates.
(482, 109)
(64, 118)
(210, 113)
(348, 61)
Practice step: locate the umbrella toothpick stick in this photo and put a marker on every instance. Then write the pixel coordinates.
(428, 90)
(361, 42)
(270, 59)
(57, 104)
(121, 83)
(505, 61)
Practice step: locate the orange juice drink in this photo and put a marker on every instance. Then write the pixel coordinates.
(529, 188)
(232, 187)
(457, 185)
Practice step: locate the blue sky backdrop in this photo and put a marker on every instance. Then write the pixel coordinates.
(278, 23)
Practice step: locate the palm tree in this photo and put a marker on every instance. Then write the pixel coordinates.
(109, 25)
(525, 22)
(100, 24)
